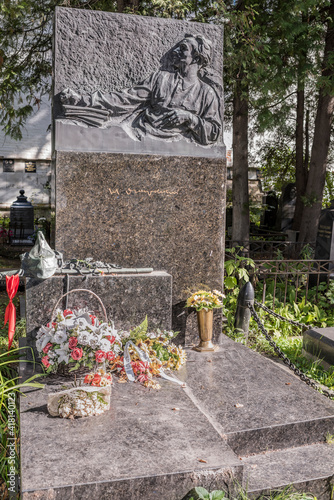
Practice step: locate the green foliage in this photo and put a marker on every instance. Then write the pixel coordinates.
(200, 493)
(237, 268)
(9, 393)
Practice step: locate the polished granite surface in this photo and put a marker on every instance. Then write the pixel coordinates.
(235, 402)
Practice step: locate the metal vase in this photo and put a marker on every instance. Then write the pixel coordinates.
(205, 329)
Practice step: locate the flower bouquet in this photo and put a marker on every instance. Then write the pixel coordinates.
(205, 300)
(76, 340)
(146, 355)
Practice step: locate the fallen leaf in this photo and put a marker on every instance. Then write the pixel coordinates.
(176, 409)
(209, 360)
(203, 461)
(287, 383)
(238, 405)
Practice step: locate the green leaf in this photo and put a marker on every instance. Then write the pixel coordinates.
(217, 495)
(202, 493)
(230, 282)
(230, 267)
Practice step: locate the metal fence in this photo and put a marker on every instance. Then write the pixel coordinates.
(292, 279)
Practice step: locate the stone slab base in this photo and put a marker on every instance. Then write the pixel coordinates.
(310, 469)
(146, 447)
(127, 299)
(319, 343)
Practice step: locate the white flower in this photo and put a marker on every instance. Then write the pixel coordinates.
(63, 354)
(151, 336)
(84, 338)
(60, 336)
(125, 335)
(105, 345)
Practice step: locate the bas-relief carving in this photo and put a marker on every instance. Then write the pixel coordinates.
(180, 100)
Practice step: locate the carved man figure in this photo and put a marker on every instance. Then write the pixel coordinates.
(170, 104)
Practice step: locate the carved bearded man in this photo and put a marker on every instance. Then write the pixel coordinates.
(167, 105)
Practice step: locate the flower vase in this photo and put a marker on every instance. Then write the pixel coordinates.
(205, 330)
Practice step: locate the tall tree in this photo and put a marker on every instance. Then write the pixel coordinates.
(321, 139)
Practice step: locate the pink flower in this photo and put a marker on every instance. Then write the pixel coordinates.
(96, 380)
(45, 361)
(100, 356)
(72, 342)
(47, 347)
(110, 356)
(67, 312)
(77, 353)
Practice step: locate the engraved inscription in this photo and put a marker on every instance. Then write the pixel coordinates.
(148, 192)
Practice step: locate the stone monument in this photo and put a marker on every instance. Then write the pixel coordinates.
(138, 147)
(324, 249)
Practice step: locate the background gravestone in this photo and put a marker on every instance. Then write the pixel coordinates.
(125, 191)
(324, 249)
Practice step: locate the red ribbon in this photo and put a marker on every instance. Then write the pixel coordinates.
(12, 284)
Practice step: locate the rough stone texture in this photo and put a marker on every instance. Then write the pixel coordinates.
(141, 448)
(280, 469)
(145, 211)
(277, 408)
(127, 299)
(110, 52)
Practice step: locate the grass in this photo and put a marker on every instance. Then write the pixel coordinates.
(287, 493)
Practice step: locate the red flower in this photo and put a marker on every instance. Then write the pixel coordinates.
(110, 356)
(93, 318)
(77, 353)
(72, 342)
(89, 378)
(100, 356)
(52, 324)
(47, 347)
(45, 361)
(96, 380)
(67, 312)
(110, 338)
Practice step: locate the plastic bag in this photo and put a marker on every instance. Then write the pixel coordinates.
(41, 262)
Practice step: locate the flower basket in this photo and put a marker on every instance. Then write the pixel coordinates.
(74, 341)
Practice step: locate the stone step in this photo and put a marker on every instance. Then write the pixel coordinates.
(308, 468)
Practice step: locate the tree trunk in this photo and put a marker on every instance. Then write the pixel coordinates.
(321, 139)
(301, 172)
(240, 194)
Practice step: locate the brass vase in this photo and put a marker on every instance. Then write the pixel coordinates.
(205, 329)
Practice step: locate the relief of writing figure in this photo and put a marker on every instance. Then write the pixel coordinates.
(181, 100)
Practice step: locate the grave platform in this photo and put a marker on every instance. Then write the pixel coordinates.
(236, 409)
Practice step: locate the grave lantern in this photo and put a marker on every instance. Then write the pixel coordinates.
(21, 221)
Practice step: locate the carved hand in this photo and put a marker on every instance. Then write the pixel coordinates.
(68, 96)
(174, 118)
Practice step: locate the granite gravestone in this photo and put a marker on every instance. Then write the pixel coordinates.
(138, 146)
(324, 249)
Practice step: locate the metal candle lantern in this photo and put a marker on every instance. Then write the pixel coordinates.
(21, 221)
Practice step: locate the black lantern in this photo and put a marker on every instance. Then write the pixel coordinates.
(21, 221)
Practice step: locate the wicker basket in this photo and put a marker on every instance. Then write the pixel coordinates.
(63, 369)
